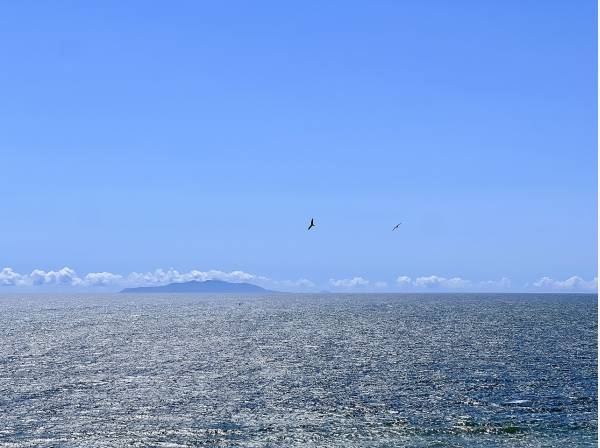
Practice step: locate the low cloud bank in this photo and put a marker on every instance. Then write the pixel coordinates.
(572, 283)
(358, 283)
(348, 282)
(435, 282)
(67, 277)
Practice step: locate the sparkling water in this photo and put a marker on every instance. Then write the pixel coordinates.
(470, 370)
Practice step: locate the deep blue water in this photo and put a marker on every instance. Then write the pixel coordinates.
(305, 371)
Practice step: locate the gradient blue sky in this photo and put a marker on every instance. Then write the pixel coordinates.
(205, 135)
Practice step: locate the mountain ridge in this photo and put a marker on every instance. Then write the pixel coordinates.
(196, 286)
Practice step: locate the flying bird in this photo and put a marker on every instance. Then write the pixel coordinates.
(312, 223)
(396, 226)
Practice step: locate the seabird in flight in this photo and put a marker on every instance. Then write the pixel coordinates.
(312, 223)
(396, 226)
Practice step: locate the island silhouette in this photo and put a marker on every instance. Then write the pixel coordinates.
(211, 286)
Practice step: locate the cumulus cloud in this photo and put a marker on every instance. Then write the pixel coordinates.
(64, 276)
(572, 283)
(452, 283)
(160, 276)
(305, 283)
(8, 277)
(422, 283)
(360, 283)
(403, 280)
(433, 281)
(68, 277)
(349, 282)
(102, 279)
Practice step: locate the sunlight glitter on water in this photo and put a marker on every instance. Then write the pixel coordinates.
(294, 370)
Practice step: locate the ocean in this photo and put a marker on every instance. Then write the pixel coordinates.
(329, 370)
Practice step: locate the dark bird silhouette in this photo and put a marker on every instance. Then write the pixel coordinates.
(312, 223)
(396, 226)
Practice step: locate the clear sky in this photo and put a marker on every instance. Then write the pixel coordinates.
(204, 136)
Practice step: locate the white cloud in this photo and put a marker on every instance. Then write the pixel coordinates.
(102, 279)
(452, 283)
(68, 277)
(305, 283)
(8, 277)
(572, 283)
(433, 281)
(348, 282)
(160, 276)
(403, 280)
(64, 276)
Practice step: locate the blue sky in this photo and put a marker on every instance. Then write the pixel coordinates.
(137, 136)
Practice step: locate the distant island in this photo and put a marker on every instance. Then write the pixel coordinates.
(198, 286)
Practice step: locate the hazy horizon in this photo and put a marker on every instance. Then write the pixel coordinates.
(67, 280)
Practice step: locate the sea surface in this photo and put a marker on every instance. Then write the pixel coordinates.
(298, 371)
